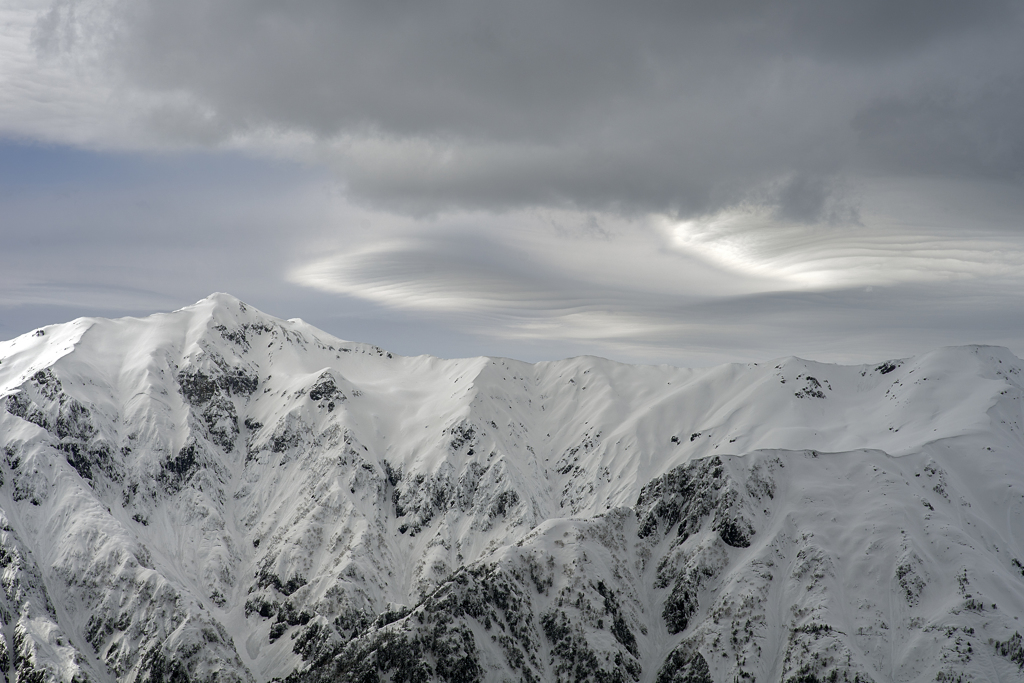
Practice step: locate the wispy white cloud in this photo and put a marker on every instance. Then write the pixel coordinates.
(754, 242)
(542, 260)
(641, 286)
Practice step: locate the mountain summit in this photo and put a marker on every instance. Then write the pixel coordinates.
(215, 494)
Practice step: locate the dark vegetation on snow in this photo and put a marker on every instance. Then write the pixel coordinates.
(1012, 648)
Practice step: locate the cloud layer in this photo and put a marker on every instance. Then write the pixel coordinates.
(734, 284)
(622, 179)
(658, 106)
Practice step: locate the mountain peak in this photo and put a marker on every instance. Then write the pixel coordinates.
(221, 311)
(220, 304)
(220, 299)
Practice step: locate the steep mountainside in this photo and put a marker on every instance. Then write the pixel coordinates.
(218, 495)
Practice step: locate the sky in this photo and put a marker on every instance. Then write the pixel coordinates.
(686, 182)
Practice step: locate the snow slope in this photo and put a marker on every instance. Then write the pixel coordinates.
(216, 494)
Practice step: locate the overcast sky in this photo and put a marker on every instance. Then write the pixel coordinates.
(689, 182)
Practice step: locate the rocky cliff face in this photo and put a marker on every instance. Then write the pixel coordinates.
(217, 495)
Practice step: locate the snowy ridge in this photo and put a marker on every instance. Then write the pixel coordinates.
(216, 494)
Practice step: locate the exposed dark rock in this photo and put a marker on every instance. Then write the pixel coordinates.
(221, 421)
(266, 579)
(684, 666)
(733, 533)
(177, 470)
(196, 386)
(679, 607)
(684, 496)
(462, 434)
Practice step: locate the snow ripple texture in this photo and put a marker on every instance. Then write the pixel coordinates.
(218, 495)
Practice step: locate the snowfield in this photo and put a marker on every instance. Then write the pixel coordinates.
(215, 494)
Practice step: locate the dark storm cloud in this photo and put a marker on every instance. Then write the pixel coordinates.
(648, 106)
(943, 131)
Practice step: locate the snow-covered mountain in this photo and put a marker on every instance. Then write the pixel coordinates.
(214, 494)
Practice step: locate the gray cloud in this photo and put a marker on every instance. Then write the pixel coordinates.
(87, 235)
(948, 132)
(647, 106)
(660, 181)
